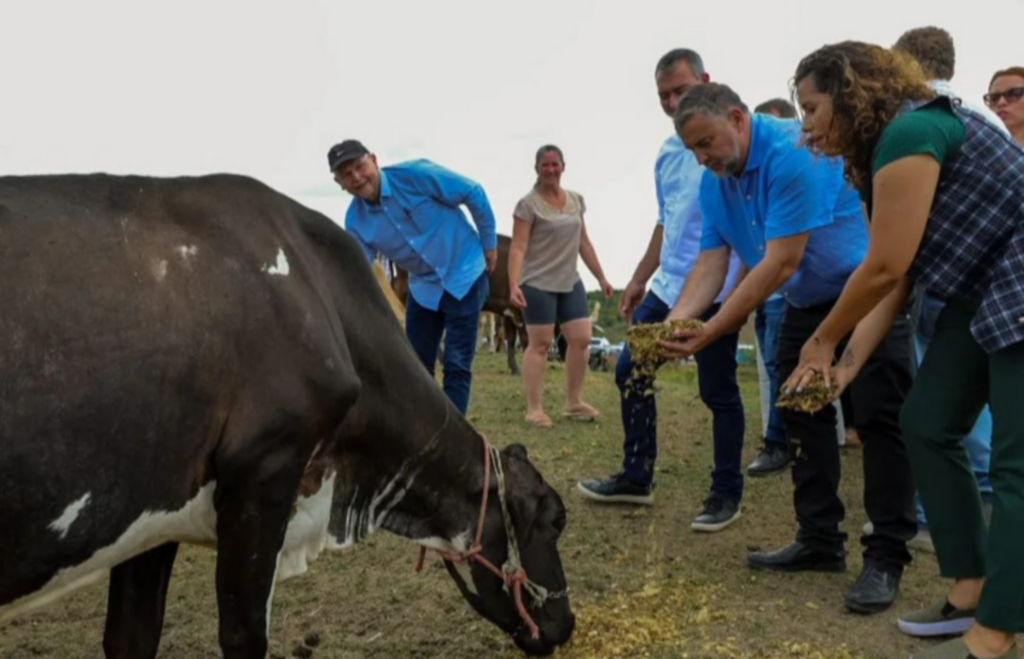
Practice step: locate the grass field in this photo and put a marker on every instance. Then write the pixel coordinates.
(643, 584)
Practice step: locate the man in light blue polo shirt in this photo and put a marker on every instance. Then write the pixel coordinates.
(799, 228)
(674, 247)
(410, 213)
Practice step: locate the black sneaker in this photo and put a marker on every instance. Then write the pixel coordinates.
(773, 458)
(617, 489)
(718, 514)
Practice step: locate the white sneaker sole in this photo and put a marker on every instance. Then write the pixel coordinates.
(927, 630)
(636, 499)
(714, 528)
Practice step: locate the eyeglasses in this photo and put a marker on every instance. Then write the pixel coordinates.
(1012, 95)
(362, 166)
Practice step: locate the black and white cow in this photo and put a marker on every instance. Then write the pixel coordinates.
(205, 361)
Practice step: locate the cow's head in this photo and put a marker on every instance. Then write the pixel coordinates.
(538, 517)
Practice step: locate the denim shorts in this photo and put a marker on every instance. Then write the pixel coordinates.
(545, 307)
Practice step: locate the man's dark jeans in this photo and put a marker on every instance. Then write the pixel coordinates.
(716, 373)
(459, 321)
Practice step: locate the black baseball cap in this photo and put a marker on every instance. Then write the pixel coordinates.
(345, 151)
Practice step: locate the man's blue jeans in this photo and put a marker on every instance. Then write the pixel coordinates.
(458, 320)
(767, 322)
(716, 374)
(978, 442)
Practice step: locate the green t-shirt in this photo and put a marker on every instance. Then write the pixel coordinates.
(931, 129)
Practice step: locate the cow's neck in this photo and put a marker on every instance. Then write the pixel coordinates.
(423, 484)
(405, 459)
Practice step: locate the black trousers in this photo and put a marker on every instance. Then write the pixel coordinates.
(877, 396)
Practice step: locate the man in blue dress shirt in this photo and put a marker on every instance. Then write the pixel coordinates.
(799, 228)
(671, 253)
(410, 212)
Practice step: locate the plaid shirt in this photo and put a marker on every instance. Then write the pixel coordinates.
(973, 246)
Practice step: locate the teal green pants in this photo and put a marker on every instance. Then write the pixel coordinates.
(955, 381)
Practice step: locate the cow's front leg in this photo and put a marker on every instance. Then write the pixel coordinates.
(135, 604)
(252, 516)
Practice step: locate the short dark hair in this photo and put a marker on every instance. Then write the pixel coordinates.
(780, 105)
(669, 61)
(712, 98)
(1012, 71)
(933, 49)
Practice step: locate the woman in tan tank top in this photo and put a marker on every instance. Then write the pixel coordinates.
(548, 238)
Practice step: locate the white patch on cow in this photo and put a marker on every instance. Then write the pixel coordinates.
(280, 267)
(359, 522)
(188, 254)
(62, 524)
(193, 523)
(159, 267)
(462, 567)
(459, 543)
(351, 520)
(270, 595)
(306, 536)
(377, 517)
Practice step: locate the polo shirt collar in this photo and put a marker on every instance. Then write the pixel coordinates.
(755, 155)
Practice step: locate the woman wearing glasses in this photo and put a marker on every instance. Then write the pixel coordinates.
(945, 191)
(1004, 94)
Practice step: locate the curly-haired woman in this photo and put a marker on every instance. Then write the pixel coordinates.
(945, 191)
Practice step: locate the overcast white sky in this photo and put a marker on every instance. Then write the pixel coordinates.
(264, 88)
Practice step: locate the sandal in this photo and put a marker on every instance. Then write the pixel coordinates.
(542, 422)
(586, 413)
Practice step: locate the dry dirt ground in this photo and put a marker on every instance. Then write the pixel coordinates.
(643, 584)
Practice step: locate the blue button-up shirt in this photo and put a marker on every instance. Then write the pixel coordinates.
(677, 176)
(419, 226)
(786, 190)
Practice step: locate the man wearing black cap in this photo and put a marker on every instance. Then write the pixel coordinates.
(409, 212)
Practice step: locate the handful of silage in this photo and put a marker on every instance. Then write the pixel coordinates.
(813, 397)
(643, 342)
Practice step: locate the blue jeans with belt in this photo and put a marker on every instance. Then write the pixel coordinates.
(978, 442)
(767, 322)
(719, 389)
(458, 320)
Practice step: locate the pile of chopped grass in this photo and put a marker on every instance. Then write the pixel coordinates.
(813, 397)
(673, 618)
(658, 617)
(643, 343)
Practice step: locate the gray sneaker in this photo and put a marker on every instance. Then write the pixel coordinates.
(939, 619)
(957, 649)
(718, 513)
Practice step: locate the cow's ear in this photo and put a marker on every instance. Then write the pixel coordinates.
(516, 451)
